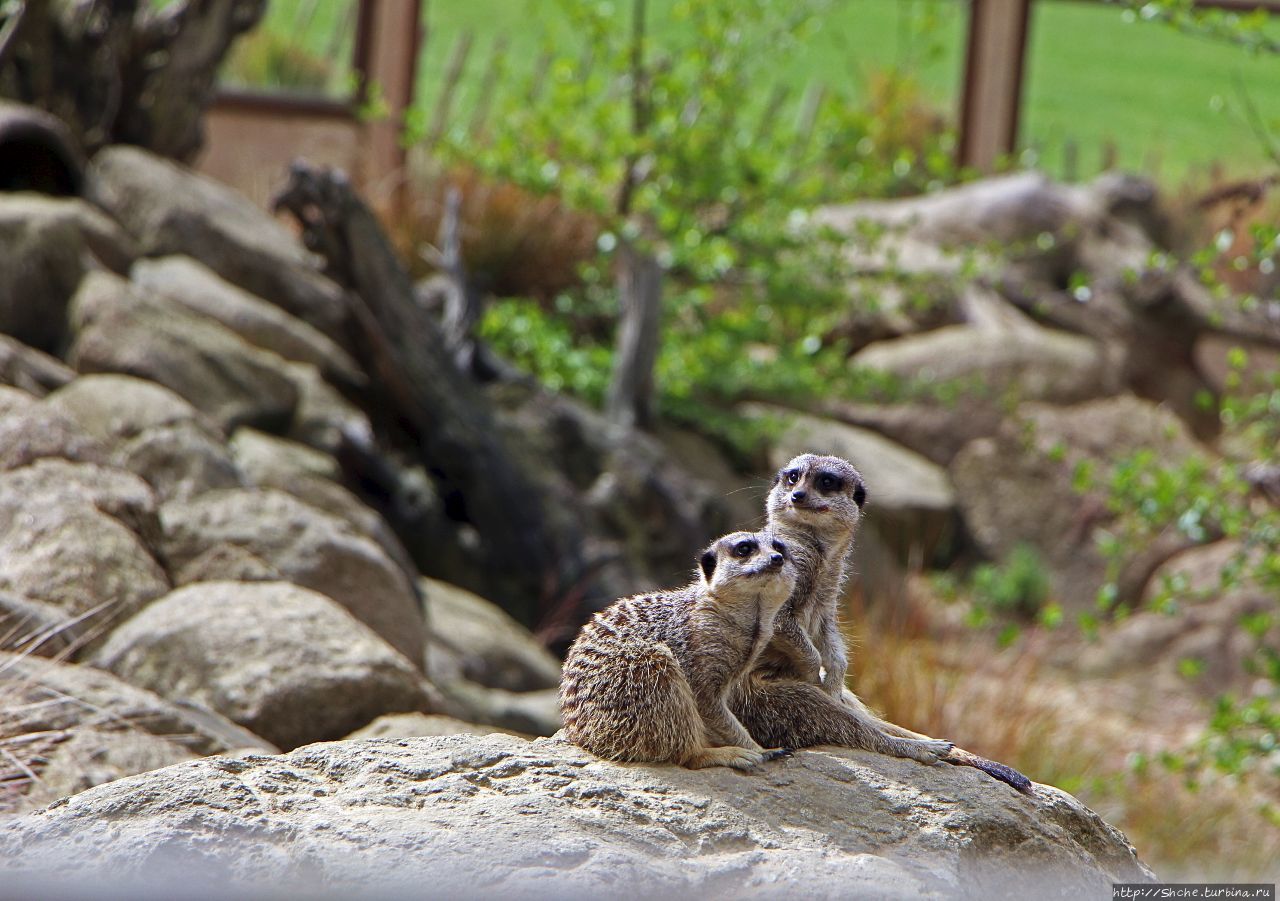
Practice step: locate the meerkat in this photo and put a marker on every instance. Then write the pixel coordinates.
(648, 679)
(815, 505)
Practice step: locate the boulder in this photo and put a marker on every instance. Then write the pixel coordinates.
(501, 817)
(1017, 487)
(262, 324)
(312, 477)
(1031, 363)
(152, 432)
(36, 431)
(119, 329)
(305, 545)
(910, 502)
(50, 696)
(1213, 354)
(286, 663)
(523, 712)
(46, 245)
(1190, 631)
(936, 429)
(172, 210)
(29, 369)
(77, 536)
(474, 639)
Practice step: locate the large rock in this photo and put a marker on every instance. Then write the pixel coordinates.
(171, 210)
(312, 477)
(151, 432)
(910, 502)
(286, 663)
(46, 245)
(497, 816)
(419, 725)
(121, 329)
(936, 430)
(35, 430)
(474, 639)
(1031, 362)
(29, 369)
(262, 324)
(306, 546)
(78, 537)
(1017, 487)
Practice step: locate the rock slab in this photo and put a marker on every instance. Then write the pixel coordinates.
(496, 815)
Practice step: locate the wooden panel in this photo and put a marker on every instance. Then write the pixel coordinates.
(993, 81)
(250, 147)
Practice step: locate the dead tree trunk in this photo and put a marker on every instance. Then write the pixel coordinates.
(630, 400)
(446, 414)
(121, 71)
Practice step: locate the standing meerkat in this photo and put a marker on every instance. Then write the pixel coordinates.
(815, 505)
(648, 678)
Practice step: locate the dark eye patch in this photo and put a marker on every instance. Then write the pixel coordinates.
(779, 547)
(744, 548)
(792, 476)
(860, 495)
(828, 482)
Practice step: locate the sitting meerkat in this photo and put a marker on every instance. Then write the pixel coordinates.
(648, 678)
(815, 506)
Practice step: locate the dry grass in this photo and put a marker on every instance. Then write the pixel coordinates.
(514, 242)
(1012, 706)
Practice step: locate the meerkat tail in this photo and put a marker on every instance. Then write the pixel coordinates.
(997, 771)
(957, 756)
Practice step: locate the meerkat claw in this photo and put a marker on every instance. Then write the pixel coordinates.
(777, 754)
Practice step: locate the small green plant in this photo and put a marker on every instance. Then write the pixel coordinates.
(645, 130)
(1019, 586)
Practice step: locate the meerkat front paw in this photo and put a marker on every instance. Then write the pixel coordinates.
(776, 754)
(735, 757)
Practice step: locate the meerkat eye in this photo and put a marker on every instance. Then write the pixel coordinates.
(779, 547)
(860, 495)
(744, 549)
(792, 476)
(828, 482)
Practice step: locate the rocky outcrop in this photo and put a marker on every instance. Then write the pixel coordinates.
(284, 662)
(497, 815)
(473, 639)
(262, 324)
(171, 210)
(1020, 487)
(78, 536)
(120, 328)
(1032, 363)
(30, 370)
(307, 547)
(151, 432)
(46, 245)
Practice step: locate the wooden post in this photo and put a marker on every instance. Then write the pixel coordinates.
(389, 36)
(992, 81)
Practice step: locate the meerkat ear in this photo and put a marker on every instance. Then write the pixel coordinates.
(860, 495)
(708, 564)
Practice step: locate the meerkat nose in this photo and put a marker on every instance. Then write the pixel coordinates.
(797, 496)
(776, 559)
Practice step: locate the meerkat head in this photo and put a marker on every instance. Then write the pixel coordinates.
(757, 564)
(822, 493)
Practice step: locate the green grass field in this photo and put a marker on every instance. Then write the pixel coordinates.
(1164, 99)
